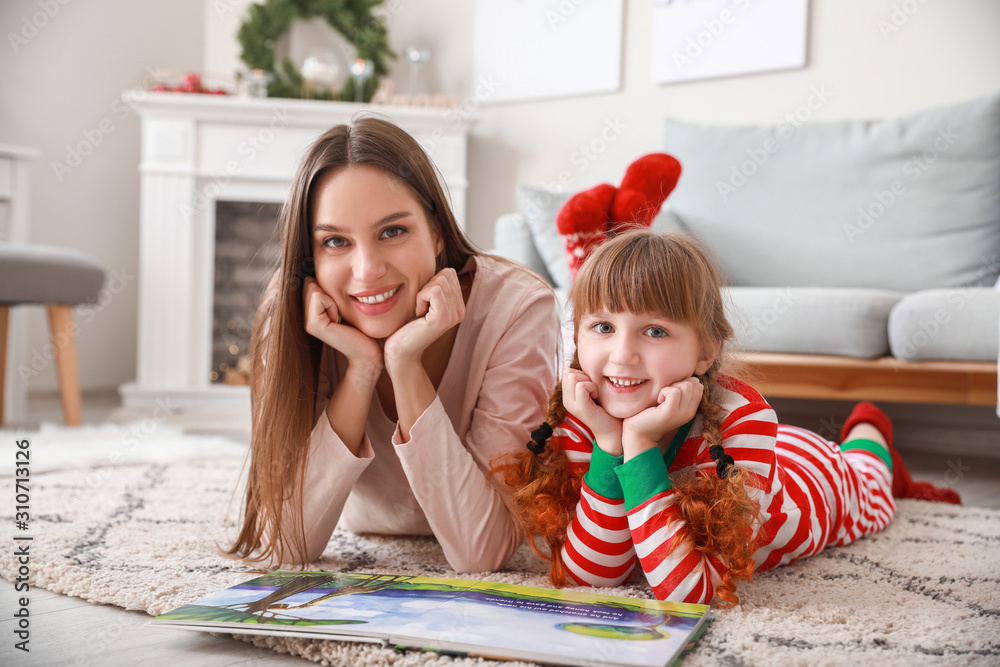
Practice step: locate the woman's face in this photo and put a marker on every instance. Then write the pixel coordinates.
(373, 247)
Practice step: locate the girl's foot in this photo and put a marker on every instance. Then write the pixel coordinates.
(903, 485)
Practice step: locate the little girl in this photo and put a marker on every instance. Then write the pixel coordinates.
(650, 452)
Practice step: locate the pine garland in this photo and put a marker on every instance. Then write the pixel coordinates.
(353, 19)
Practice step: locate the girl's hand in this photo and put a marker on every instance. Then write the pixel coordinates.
(440, 306)
(579, 392)
(676, 406)
(323, 321)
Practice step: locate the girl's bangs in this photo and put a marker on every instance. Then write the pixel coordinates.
(627, 278)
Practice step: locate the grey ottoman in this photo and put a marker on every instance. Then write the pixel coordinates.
(59, 279)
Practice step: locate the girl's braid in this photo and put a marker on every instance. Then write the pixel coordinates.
(717, 509)
(556, 411)
(544, 488)
(710, 412)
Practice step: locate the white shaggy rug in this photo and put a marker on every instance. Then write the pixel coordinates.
(138, 525)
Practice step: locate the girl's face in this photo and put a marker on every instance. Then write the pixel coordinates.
(373, 247)
(631, 357)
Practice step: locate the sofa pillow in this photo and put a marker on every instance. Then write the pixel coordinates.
(959, 324)
(540, 206)
(512, 240)
(811, 320)
(903, 204)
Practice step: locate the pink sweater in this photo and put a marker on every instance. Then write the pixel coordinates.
(492, 394)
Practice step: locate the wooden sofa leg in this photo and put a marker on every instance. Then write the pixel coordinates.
(63, 332)
(4, 318)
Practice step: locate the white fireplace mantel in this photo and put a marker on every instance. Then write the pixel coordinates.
(200, 149)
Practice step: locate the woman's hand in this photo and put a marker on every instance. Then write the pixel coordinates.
(440, 306)
(323, 321)
(676, 406)
(579, 392)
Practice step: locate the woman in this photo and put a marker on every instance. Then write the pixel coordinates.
(392, 362)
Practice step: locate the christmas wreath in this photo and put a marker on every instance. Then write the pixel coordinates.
(353, 19)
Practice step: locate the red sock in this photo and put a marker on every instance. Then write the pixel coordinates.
(903, 485)
(867, 413)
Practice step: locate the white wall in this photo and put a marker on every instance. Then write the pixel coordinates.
(63, 82)
(58, 89)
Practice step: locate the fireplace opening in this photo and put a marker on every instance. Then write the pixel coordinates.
(246, 251)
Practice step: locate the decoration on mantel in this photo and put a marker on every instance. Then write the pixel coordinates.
(254, 83)
(162, 81)
(386, 94)
(319, 73)
(417, 57)
(361, 70)
(353, 19)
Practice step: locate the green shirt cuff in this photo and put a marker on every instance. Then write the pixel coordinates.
(642, 477)
(601, 475)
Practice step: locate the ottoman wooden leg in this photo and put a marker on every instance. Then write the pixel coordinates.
(64, 341)
(4, 316)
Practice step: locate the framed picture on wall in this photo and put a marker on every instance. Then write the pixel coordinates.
(538, 49)
(701, 39)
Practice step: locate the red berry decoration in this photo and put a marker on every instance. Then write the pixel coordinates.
(191, 83)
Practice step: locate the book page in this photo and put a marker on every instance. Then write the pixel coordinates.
(328, 603)
(567, 627)
(480, 617)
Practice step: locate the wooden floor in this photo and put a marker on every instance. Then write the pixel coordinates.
(69, 631)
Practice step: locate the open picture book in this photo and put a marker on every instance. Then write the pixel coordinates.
(481, 618)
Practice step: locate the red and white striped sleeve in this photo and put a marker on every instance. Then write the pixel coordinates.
(674, 569)
(598, 548)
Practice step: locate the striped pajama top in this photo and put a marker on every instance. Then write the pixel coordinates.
(811, 492)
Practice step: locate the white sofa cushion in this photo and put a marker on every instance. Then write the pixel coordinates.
(954, 324)
(902, 204)
(811, 320)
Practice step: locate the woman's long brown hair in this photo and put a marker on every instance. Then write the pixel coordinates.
(285, 359)
(672, 275)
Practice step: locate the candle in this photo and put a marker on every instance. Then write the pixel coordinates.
(361, 69)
